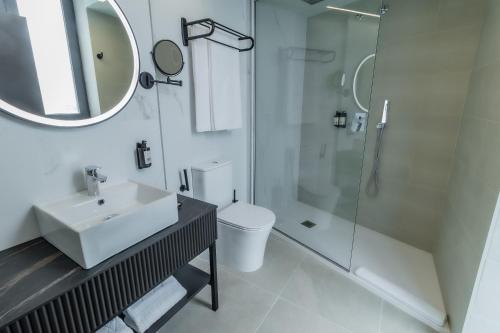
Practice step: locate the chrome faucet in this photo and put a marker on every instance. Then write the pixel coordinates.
(93, 178)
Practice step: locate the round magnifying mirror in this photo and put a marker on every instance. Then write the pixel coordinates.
(362, 82)
(168, 57)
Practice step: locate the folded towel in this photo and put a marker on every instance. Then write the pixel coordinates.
(202, 82)
(217, 83)
(115, 326)
(147, 310)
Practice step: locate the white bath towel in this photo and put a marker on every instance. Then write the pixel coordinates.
(147, 310)
(217, 82)
(115, 326)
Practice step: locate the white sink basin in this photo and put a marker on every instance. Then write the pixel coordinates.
(90, 231)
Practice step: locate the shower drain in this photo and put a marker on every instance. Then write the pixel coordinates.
(308, 224)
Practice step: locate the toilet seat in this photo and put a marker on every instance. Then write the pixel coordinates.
(247, 217)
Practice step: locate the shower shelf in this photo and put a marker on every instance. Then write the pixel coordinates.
(311, 55)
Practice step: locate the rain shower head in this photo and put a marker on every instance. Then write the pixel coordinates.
(312, 2)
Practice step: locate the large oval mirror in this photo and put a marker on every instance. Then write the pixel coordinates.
(362, 83)
(168, 57)
(66, 63)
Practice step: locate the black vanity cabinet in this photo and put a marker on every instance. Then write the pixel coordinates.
(42, 290)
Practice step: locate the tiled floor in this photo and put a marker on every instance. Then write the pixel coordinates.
(293, 292)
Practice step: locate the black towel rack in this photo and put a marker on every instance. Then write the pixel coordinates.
(212, 26)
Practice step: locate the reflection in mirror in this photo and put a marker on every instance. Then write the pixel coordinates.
(168, 57)
(362, 83)
(65, 62)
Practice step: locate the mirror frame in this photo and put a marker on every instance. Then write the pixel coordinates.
(24, 115)
(156, 63)
(355, 82)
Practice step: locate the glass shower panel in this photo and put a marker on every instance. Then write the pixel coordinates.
(310, 128)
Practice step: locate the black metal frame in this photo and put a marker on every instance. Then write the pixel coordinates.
(213, 276)
(212, 26)
(96, 296)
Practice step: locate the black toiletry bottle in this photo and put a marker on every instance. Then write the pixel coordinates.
(143, 155)
(336, 119)
(343, 119)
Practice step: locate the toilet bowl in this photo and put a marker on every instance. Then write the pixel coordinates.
(243, 228)
(243, 233)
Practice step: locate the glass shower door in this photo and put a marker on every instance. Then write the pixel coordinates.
(314, 72)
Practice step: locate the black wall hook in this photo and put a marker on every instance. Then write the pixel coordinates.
(185, 187)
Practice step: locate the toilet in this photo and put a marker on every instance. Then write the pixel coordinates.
(243, 228)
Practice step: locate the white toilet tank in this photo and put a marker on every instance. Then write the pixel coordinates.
(213, 182)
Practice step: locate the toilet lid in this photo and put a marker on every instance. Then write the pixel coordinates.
(246, 216)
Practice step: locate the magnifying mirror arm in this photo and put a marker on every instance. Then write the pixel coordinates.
(147, 81)
(169, 81)
(173, 82)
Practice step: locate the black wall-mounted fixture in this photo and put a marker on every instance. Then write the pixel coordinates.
(340, 119)
(100, 55)
(185, 187)
(212, 26)
(147, 81)
(143, 155)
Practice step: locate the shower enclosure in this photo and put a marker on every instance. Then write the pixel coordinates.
(314, 72)
(321, 106)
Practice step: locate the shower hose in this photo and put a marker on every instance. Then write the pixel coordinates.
(373, 186)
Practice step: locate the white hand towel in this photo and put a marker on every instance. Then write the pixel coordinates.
(217, 82)
(147, 310)
(202, 81)
(115, 326)
(226, 84)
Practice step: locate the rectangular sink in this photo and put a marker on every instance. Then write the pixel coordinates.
(91, 229)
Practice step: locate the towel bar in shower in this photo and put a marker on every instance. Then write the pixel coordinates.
(212, 25)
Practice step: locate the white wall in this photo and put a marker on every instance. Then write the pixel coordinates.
(331, 158)
(279, 100)
(482, 315)
(42, 163)
(425, 55)
(183, 146)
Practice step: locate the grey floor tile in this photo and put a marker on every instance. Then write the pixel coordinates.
(325, 291)
(242, 308)
(313, 298)
(396, 321)
(281, 259)
(289, 318)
